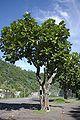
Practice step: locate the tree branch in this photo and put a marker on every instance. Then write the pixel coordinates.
(53, 75)
(44, 78)
(38, 76)
(50, 80)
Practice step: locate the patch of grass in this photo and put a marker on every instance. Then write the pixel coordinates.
(39, 111)
(59, 100)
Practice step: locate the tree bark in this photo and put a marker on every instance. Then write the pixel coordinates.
(41, 98)
(65, 93)
(44, 90)
(44, 101)
(76, 94)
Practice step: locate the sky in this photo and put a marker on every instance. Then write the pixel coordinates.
(67, 10)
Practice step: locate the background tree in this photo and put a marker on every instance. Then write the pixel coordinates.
(75, 73)
(45, 45)
(70, 76)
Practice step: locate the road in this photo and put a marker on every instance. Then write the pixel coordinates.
(26, 109)
(20, 100)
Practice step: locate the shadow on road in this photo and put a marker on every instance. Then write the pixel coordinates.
(14, 106)
(54, 106)
(75, 113)
(37, 100)
(7, 119)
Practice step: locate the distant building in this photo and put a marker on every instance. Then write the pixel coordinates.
(8, 94)
(34, 94)
(17, 94)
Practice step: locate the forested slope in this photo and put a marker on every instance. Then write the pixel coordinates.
(16, 79)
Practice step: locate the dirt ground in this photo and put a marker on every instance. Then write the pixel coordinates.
(17, 110)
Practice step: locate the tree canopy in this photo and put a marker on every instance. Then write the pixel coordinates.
(40, 44)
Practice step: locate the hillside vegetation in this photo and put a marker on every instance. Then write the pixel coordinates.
(15, 79)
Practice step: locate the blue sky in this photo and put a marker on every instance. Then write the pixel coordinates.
(69, 10)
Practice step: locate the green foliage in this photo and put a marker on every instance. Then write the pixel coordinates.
(17, 39)
(70, 73)
(15, 79)
(42, 45)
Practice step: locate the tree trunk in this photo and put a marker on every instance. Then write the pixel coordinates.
(41, 98)
(44, 101)
(76, 94)
(65, 93)
(44, 88)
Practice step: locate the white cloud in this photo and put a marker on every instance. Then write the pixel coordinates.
(44, 15)
(64, 14)
(64, 1)
(56, 18)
